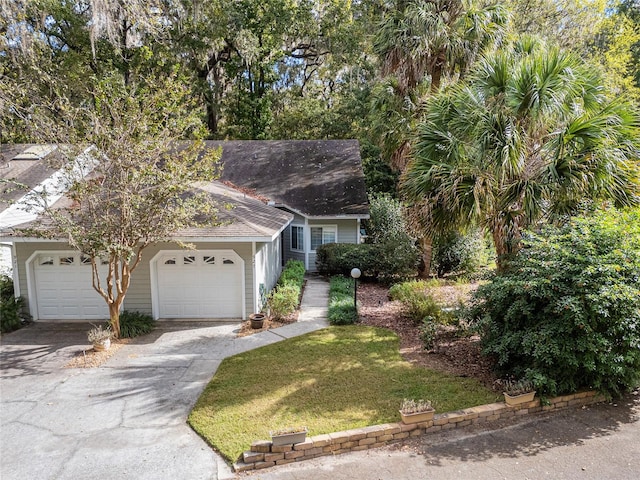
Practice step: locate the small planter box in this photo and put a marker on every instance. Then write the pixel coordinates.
(288, 438)
(513, 400)
(418, 417)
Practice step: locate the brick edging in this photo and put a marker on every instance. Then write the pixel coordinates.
(264, 455)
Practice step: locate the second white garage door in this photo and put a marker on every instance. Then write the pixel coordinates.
(204, 284)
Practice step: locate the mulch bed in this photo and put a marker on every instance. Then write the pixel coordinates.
(91, 358)
(454, 355)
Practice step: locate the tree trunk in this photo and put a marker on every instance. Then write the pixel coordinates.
(114, 317)
(507, 241)
(427, 253)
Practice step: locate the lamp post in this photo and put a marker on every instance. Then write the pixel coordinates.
(355, 273)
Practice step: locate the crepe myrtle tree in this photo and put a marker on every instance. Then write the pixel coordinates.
(135, 183)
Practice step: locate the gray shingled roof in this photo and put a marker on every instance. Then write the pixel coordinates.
(314, 177)
(245, 217)
(17, 176)
(240, 217)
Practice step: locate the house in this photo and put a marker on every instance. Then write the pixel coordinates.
(286, 197)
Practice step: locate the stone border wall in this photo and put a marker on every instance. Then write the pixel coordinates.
(264, 455)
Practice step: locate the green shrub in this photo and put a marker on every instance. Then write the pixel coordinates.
(342, 310)
(388, 261)
(565, 314)
(293, 274)
(417, 303)
(340, 258)
(134, 324)
(283, 301)
(428, 332)
(460, 253)
(10, 306)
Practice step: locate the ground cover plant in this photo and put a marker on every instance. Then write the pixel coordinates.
(134, 324)
(342, 309)
(323, 380)
(566, 313)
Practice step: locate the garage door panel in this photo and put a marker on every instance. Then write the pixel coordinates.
(64, 290)
(199, 285)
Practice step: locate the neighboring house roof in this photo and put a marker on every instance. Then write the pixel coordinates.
(317, 178)
(239, 217)
(22, 168)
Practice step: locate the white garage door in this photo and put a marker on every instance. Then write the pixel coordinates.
(207, 284)
(64, 290)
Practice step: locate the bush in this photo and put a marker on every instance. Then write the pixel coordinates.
(134, 324)
(342, 310)
(9, 306)
(388, 261)
(417, 303)
(565, 314)
(390, 254)
(293, 274)
(283, 301)
(340, 258)
(460, 253)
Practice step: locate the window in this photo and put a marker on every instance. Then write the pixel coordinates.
(297, 238)
(190, 260)
(67, 260)
(209, 260)
(227, 261)
(46, 260)
(322, 235)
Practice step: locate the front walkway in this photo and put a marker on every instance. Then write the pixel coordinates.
(126, 419)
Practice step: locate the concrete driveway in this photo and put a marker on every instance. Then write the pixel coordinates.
(127, 418)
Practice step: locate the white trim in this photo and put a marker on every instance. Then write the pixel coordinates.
(15, 272)
(358, 239)
(307, 242)
(255, 279)
(153, 271)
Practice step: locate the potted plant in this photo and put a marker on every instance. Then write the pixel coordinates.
(287, 436)
(518, 391)
(257, 320)
(100, 337)
(413, 411)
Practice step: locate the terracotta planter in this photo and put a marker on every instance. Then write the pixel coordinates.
(257, 320)
(513, 400)
(288, 438)
(417, 417)
(102, 345)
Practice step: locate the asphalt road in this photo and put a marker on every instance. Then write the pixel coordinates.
(591, 443)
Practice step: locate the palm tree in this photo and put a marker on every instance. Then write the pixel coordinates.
(528, 137)
(419, 42)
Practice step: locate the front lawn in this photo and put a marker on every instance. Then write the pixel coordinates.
(335, 379)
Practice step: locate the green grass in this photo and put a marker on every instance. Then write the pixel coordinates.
(335, 379)
(342, 310)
